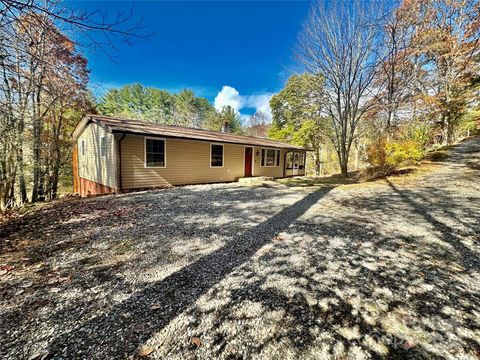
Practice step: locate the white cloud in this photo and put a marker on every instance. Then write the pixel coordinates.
(260, 103)
(230, 96)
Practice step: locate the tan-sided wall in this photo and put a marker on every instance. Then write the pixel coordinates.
(92, 165)
(187, 162)
(274, 171)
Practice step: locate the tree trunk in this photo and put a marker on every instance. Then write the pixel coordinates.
(327, 161)
(20, 164)
(58, 157)
(37, 190)
(344, 168)
(357, 155)
(56, 172)
(317, 161)
(320, 169)
(343, 161)
(447, 131)
(22, 188)
(5, 196)
(450, 132)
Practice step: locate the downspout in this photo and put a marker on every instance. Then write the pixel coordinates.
(119, 167)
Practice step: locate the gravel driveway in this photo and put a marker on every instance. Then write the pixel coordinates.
(386, 269)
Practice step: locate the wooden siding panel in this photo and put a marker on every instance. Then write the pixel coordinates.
(93, 166)
(187, 162)
(91, 188)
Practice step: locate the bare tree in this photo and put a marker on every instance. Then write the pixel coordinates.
(257, 125)
(41, 73)
(82, 22)
(339, 42)
(396, 69)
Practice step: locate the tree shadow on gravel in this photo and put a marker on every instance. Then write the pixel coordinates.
(470, 259)
(348, 290)
(86, 256)
(113, 335)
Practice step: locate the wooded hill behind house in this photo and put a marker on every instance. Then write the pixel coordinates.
(395, 84)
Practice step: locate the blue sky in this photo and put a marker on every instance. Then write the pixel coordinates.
(245, 48)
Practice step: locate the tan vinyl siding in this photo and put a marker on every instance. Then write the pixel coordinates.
(92, 165)
(272, 171)
(187, 162)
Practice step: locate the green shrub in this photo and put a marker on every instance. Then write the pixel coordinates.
(387, 156)
(403, 153)
(419, 131)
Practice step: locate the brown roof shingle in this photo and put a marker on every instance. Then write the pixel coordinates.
(116, 124)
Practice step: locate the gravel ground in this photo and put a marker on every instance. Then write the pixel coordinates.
(378, 270)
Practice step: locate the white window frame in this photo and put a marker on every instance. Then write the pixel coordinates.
(223, 156)
(103, 146)
(274, 159)
(145, 152)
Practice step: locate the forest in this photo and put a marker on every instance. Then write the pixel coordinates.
(376, 88)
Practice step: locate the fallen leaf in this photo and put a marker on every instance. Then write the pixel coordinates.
(196, 341)
(7, 267)
(145, 351)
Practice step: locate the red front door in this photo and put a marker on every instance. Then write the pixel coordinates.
(248, 161)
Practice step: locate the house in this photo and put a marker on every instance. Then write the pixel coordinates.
(113, 154)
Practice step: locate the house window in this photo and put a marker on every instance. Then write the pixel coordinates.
(270, 157)
(154, 152)
(216, 155)
(82, 147)
(103, 145)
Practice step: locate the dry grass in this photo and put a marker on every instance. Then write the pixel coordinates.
(307, 181)
(404, 176)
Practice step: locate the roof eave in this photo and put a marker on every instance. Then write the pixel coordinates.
(80, 127)
(279, 146)
(82, 124)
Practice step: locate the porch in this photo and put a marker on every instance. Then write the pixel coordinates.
(295, 163)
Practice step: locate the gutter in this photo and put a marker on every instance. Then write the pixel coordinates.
(119, 167)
